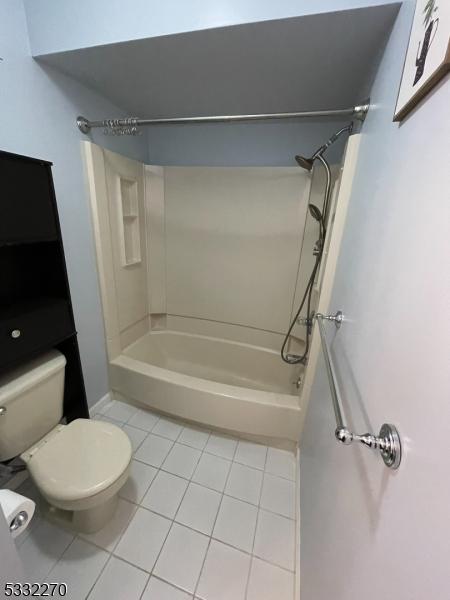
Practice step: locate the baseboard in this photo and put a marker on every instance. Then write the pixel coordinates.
(100, 404)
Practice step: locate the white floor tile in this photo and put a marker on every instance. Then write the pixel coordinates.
(143, 539)
(119, 581)
(191, 436)
(268, 582)
(181, 460)
(79, 567)
(120, 411)
(236, 523)
(168, 429)
(225, 573)
(42, 550)
(141, 476)
(165, 494)
(199, 508)
(281, 463)
(244, 483)
(252, 455)
(275, 539)
(181, 558)
(221, 445)
(137, 436)
(160, 590)
(212, 472)
(278, 495)
(153, 450)
(108, 537)
(144, 419)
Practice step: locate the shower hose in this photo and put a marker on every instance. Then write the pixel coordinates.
(294, 359)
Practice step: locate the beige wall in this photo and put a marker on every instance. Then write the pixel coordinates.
(233, 242)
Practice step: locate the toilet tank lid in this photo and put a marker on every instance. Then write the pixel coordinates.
(22, 378)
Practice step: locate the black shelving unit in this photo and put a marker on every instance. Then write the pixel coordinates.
(35, 305)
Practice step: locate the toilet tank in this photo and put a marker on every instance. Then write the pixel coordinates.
(31, 397)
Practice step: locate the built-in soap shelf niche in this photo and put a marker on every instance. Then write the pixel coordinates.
(130, 226)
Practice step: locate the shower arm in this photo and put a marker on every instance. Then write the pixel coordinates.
(388, 440)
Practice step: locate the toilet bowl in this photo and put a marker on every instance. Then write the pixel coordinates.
(78, 468)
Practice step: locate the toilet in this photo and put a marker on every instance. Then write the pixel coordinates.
(78, 468)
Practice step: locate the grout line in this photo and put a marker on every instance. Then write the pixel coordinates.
(214, 525)
(58, 560)
(169, 583)
(128, 563)
(60, 555)
(187, 487)
(99, 575)
(127, 524)
(187, 527)
(172, 523)
(103, 567)
(256, 526)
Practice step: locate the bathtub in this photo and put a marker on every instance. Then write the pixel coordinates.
(224, 384)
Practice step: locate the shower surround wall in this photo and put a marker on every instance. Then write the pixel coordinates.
(199, 277)
(210, 241)
(233, 242)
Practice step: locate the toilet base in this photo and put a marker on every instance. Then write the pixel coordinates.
(83, 521)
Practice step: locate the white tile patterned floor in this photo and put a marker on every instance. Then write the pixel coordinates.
(203, 516)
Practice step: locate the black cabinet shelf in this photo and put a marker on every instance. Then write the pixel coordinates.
(29, 240)
(31, 305)
(35, 306)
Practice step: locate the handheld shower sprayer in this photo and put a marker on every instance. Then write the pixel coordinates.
(315, 212)
(321, 217)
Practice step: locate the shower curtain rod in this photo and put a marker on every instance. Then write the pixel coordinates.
(131, 123)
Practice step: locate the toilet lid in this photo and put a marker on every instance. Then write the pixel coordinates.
(81, 460)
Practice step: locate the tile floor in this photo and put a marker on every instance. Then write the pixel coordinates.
(202, 516)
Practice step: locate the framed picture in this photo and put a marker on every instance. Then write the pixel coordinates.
(428, 55)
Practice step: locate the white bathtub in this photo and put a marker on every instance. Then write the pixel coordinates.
(225, 384)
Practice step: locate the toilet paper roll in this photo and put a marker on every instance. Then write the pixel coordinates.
(18, 511)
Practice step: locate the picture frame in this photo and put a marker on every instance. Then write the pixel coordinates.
(428, 56)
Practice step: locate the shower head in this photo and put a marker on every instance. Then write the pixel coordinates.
(307, 163)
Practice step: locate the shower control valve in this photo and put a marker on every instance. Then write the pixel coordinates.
(304, 321)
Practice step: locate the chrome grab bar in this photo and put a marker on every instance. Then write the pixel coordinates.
(388, 440)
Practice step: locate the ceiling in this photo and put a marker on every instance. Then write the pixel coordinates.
(312, 62)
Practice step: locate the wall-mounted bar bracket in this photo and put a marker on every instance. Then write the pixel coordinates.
(388, 440)
(83, 125)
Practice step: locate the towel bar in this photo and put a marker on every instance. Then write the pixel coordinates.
(388, 440)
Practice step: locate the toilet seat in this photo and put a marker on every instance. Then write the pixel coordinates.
(77, 464)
